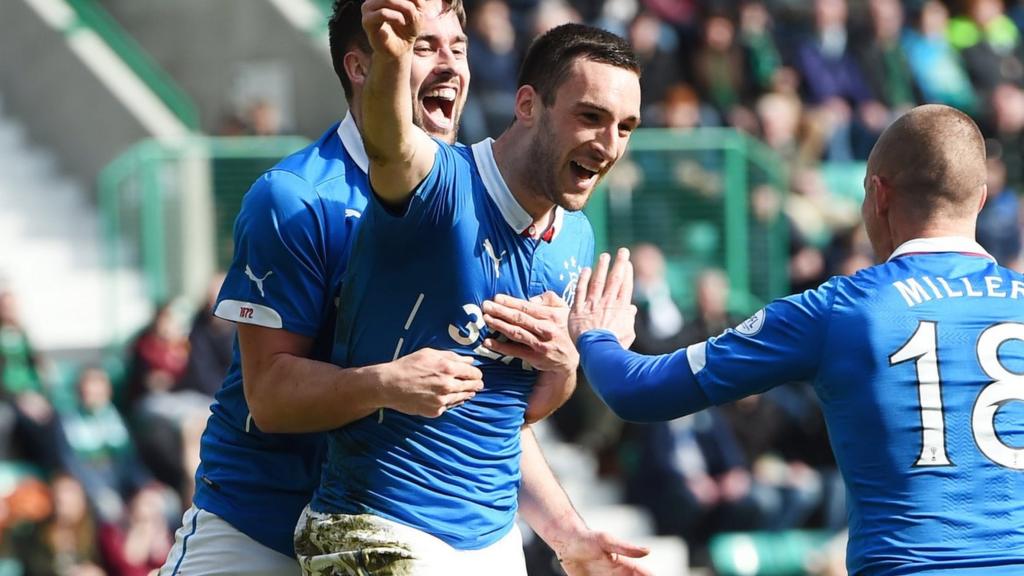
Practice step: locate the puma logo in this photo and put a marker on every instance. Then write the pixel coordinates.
(259, 281)
(495, 259)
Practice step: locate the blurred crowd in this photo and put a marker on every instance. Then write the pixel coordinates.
(97, 467)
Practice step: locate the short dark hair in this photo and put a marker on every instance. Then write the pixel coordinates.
(345, 32)
(548, 60)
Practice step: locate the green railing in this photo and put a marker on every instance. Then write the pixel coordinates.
(95, 17)
(709, 198)
(141, 199)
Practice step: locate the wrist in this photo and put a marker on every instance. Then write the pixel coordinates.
(377, 379)
(561, 533)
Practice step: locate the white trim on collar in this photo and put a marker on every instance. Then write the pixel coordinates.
(941, 244)
(352, 140)
(516, 217)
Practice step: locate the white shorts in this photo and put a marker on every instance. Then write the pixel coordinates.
(357, 545)
(207, 545)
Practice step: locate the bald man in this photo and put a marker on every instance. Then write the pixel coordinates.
(918, 363)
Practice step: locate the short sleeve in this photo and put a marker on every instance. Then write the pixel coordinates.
(780, 343)
(278, 277)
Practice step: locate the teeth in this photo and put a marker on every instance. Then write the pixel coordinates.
(443, 93)
(591, 169)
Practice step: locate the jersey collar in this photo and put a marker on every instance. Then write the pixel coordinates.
(959, 244)
(353, 142)
(515, 215)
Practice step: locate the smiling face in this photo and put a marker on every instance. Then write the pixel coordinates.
(440, 75)
(579, 137)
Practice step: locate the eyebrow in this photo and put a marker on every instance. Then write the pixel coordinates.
(432, 38)
(603, 110)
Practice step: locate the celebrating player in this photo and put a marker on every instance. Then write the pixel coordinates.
(448, 228)
(260, 456)
(918, 362)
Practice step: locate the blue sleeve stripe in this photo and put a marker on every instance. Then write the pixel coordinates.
(641, 388)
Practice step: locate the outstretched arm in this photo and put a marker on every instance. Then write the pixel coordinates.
(401, 155)
(546, 508)
(636, 387)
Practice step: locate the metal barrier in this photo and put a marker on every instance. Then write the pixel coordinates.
(709, 198)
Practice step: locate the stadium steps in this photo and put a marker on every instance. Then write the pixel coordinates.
(599, 502)
(51, 253)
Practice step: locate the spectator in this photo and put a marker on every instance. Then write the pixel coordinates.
(36, 426)
(163, 417)
(990, 44)
(760, 53)
(658, 64)
(883, 59)
(158, 356)
(711, 316)
(835, 85)
(141, 543)
(682, 109)
(785, 129)
(1007, 128)
(99, 439)
(999, 225)
(935, 64)
(64, 544)
(211, 345)
(690, 475)
(494, 64)
(787, 490)
(659, 322)
(718, 69)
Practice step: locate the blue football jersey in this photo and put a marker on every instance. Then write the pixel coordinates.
(292, 238)
(417, 280)
(919, 367)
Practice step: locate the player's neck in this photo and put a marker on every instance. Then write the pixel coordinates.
(961, 229)
(514, 165)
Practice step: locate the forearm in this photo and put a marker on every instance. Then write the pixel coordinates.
(637, 387)
(401, 154)
(387, 110)
(551, 390)
(297, 395)
(542, 502)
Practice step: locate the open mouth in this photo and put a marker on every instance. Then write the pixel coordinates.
(585, 174)
(439, 105)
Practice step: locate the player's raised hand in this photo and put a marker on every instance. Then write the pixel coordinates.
(604, 299)
(537, 331)
(600, 554)
(392, 25)
(428, 382)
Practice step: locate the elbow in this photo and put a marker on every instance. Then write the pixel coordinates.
(629, 411)
(264, 412)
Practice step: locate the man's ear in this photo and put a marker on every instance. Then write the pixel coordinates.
(883, 195)
(357, 67)
(528, 103)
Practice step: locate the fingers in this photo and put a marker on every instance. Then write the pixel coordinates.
(626, 292)
(617, 275)
(456, 399)
(612, 545)
(530, 317)
(516, 332)
(579, 301)
(512, 349)
(599, 278)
